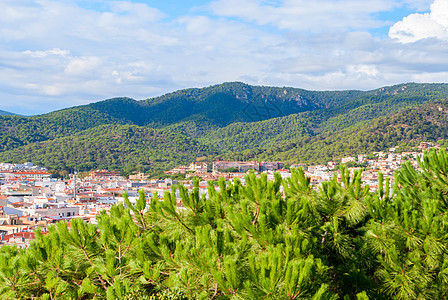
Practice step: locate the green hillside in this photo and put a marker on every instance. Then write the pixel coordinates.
(426, 122)
(356, 112)
(16, 131)
(230, 120)
(114, 147)
(214, 106)
(234, 101)
(5, 113)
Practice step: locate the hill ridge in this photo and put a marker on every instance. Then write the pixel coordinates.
(217, 120)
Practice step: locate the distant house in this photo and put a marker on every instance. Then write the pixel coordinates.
(296, 166)
(20, 239)
(104, 174)
(51, 209)
(194, 167)
(426, 145)
(198, 167)
(242, 166)
(332, 164)
(19, 191)
(27, 174)
(270, 166)
(178, 170)
(138, 176)
(345, 160)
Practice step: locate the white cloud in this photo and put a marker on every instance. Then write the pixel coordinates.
(361, 71)
(431, 77)
(54, 51)
(81, 65)
(420, 26)
(55, 54)
(301, 15)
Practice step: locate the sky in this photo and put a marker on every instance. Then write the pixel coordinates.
(58, 54)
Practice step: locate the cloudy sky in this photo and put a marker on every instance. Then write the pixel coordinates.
(57, 54)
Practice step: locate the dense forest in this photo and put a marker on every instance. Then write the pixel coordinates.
(227, 121)
(403, 130)
(123, 147)
(262, 240)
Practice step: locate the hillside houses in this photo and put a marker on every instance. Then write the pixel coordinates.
(194, 167)
(220, 166)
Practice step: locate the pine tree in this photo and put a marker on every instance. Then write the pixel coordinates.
(281, 239)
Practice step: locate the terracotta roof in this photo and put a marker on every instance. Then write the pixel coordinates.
(32, 173)
(26, 235)
(117, 190)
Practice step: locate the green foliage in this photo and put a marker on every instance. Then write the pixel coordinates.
(263, 240)
(406, 129)
(129, 148)
(230, 121)
(298, 130)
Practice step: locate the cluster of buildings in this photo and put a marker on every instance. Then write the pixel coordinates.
(26, 171)
(220, 166)
(227, 169)
(30, 198)
(194, 167)
(384, 162)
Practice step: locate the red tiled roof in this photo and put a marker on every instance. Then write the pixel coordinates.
(26, 235)
(117, 190)
(32, 173)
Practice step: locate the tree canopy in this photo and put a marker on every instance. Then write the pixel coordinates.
(232, 121)
(278, 239)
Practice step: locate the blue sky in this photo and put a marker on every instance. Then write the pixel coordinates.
(172, 9)
(61, 53)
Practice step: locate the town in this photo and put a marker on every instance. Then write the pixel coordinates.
(31, 199)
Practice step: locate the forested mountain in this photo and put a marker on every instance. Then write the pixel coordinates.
(232, 102)
(5, 113)
(408, 127)
(354, 112)
(112, 146)
(207, 108)
(230, 120)
(16, 131)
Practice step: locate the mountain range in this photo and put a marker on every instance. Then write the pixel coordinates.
(5, 113)
(227, 121)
